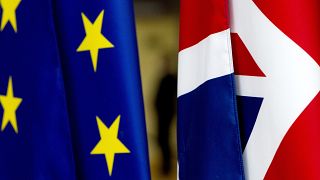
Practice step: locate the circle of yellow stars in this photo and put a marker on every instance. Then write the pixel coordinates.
(109, 144)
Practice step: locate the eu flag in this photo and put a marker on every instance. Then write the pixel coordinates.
(70, 91)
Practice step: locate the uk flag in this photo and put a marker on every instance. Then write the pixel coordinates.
(276, 53)
(276, 57)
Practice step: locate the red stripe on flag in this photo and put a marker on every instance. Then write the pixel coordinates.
(298, 156)
(298, 19)
(199, 19)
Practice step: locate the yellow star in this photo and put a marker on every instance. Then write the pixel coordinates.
(109, 144)
(10, 104)
(94, 40)
(9, 13)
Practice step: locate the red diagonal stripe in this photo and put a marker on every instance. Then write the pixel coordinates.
(298, 156)
(298, 19)
(244, 64)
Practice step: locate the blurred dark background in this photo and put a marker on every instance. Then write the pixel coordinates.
(156, 7)
(157, 31)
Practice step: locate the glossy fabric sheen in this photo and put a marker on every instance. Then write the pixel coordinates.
(42, 149)
(62, 95)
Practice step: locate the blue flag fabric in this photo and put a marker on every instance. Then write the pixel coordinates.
(35, 139)
(104, 85)
(70, 91)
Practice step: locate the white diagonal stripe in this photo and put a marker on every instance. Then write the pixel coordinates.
(292, 81)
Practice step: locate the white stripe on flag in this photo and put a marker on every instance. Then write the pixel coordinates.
(209, 59)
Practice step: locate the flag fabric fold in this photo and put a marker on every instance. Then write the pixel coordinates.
(70, 91)
(35, 137)
(276, 54)
(208, 133)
